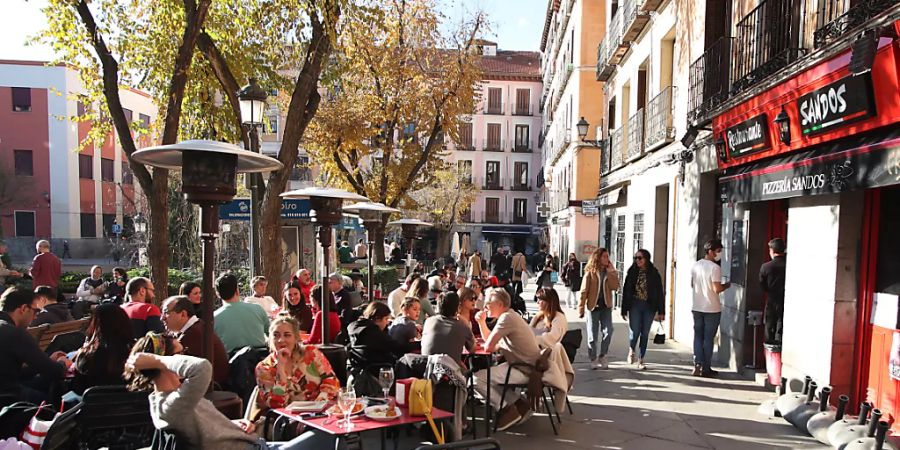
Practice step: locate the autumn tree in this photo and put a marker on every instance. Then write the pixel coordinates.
(153, 46)
(444, 203)
(404, 78)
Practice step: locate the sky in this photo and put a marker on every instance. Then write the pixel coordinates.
(515, 25)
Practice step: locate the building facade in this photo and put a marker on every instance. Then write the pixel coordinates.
(60, 193)
(572, 31)
(802, 101)
(498, 152)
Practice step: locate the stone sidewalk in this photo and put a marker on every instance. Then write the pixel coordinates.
(663, 407)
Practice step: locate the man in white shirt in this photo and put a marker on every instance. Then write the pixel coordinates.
(361, 251)
(395, 298)
(259, 297)
(706, 281)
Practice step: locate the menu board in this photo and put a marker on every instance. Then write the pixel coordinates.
(738, 253)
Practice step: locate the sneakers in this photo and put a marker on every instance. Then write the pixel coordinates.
(508, 417)
(600, 363)
(697, 371)
(524, 410)
(631, 357)
(641, 365)
(709, 373)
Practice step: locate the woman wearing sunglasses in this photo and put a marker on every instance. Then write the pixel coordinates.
(642, 303)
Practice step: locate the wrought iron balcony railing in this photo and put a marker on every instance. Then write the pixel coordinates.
(522, 147)
(494, 108)
(493, 145)
(708, 78)
(636, 134)
(836, 19)
(766, 41)
(522, 109)
(516, 184)
(604, 157)
(616, 148)
(658, 127)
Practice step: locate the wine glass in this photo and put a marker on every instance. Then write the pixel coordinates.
(386, 378)
(346, 402)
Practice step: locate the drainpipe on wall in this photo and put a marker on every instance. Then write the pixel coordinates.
(674, 238)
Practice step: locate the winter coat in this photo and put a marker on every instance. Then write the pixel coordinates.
(655, 293)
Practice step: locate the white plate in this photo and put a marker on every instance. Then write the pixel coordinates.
(307, 406)
(378, 413)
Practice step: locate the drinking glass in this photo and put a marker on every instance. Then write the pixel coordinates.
(386, 378)
(346, 402)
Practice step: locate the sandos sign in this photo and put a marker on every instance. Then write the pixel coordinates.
(747, 137)
(846, 100)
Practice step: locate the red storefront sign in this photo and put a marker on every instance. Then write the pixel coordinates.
(824, 103)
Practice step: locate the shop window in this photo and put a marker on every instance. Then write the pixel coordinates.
(638, 232)
(888, 272)
(24, 223)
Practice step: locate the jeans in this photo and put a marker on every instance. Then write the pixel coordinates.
(311, 440)
(498, 376)
(774, 320)
(517, 286)
(640, 318)
(599, 321)
(706, 325)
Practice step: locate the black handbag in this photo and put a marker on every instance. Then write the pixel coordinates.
(660, 337)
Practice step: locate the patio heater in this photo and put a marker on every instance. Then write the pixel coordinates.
(371, 215)
(209, 178)
(409, 229)
(326, 210)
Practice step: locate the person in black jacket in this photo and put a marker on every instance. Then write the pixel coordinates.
(102, 358)
(499, 263)
(571, 276)
(53, 311)
(771, 279)
(26, 372)
(643, 301)
(371, 347)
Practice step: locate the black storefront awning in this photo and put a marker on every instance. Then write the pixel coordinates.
(862, 161)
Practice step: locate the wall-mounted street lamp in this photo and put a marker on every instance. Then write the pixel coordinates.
(371, 214)
(253, 105)
(583, 127)
(720, 148)
(209, 178)
(783, 125)
(326, 210)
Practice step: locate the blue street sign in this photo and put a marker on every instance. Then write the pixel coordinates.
(116, 228)
(239, 209)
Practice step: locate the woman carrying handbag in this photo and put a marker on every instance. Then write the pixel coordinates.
(571, 276)
(643, 302)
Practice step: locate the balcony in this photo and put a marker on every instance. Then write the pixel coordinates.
(516, 184)
(491, 183)
(465, 216)
(837, 20)
(493, 145)
(765, 42)
(522, 147)
(658, 128)
(616, 148)
(624, 28)
(520, 220)
(492, 217)
(708, 78)
(494, 108)
(522, 109)
(651, 5)
(604, 157)
(559, 199)
(635, 20)
(636, 135)
(468, 146)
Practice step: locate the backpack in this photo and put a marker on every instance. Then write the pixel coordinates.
(15, 417)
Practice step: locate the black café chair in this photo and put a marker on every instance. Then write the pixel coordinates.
(476, 444)
(107, 417)
(506, 386)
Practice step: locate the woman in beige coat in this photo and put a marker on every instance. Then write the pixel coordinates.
(599, 282)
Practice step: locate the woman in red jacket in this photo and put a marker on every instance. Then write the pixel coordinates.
(334, 320)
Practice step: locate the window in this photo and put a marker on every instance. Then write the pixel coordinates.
(638, 232)
(465, 136)
(145, 120)
(129, 116)
(409, 130)
(492, 175)
(88, 225)
(495, 101)
(464, 170)
(520, 181)
(523, 141)
(24, 163)
(108, 221)
(523, 102)
(86, 167)
(272, 124)
(494, 143)
(520, 210)
(81, 109)
(25, 223)
(21, 99)
(107, 171)
(301, 170)
(492, 210)
(127, 176)
(620, 246)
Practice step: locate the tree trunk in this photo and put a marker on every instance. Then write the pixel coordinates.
(443, 242)
(158, 243)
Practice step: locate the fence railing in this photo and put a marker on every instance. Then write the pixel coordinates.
(616, 148)
(658, 128)
(636, 134)
(765, 42)
(708, 79)
(522, 109)
(604, 157)
(516, 184)
(836, 19)
(522, 147)
(493, 145)
(494, 108)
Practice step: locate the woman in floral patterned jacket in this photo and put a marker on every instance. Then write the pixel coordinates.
(293, 371)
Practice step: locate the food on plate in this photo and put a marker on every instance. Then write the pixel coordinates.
(357, 408)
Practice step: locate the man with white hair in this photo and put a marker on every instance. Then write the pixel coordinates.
(46, 268)
(513, 337)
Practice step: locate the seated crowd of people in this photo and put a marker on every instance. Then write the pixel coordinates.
(133, 342)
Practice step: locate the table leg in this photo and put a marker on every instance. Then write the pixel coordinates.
(488, 407)
(383, 432)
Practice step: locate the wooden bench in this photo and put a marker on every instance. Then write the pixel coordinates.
(44, 334)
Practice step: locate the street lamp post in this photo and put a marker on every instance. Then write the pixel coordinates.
(253, 104)
(209, 178)
(409, 230)
(371, 215)
(325, 206)
(582, 127)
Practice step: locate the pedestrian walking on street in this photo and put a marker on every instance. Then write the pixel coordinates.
(519, 267)
(545, 279)
(599, 282)
(475, 265)
(771, 279)
(65, 253)
(46, 268)
(571, 277)
(706, 281)
(642, 303)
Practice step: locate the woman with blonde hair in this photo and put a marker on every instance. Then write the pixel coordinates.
(549, 324)
(599, 282)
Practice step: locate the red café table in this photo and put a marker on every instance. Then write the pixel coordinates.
(480, 352)
(336, 427)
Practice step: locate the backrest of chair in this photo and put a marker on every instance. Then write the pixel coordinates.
(356, 299)
(61, 328)
(113, 416)
(37, 331)
(477, 444)
(66, 342)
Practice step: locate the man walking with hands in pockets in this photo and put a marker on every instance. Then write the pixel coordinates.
(706, 281)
